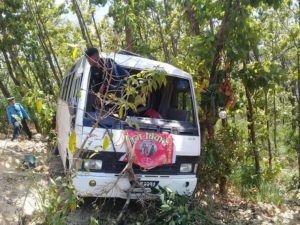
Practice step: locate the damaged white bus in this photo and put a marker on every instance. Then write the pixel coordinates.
(168, 128)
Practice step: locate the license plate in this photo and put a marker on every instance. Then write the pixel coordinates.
(149, 184)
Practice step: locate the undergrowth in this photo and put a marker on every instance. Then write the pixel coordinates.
(60, 201)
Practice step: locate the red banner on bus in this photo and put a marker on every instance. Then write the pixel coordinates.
(150, 149)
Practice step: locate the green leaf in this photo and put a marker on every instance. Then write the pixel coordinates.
(165, 206)
(72, 142)
(78, 94)
(105, 142)
(93, 221)
(92, 155)
(137, 126)
(121, 112)
(129, 122)
(39, 105)
(144, 90)
(138, 100)
(154, 84)
(52, 181)
(75, 53)
(172, 222)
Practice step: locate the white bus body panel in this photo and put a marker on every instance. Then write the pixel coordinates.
(111, 185)
(184, 145)
(63, 121)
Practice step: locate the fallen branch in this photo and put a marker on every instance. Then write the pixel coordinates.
(125, 207)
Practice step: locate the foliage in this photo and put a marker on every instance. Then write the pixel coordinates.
(42, 108)
(174, 209)
(58, 201)
(136, 89)
(3, 116)
(214, 157)
(266, 192)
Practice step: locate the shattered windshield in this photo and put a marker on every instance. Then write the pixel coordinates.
(170, 105)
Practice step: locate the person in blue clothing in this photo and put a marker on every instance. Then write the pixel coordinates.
(98, 80)
(17, 117)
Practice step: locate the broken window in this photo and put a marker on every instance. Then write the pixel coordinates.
(172, 102)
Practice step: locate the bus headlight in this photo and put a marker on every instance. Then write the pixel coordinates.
(186, 167)
(92, 164)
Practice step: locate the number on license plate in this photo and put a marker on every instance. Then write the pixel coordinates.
(149, 184)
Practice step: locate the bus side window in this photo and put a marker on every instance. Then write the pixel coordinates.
(62, 88)
(74, 87)
(65, 87)
(70, 86)
(78, 87)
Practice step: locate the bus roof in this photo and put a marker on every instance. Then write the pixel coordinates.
(140, 63)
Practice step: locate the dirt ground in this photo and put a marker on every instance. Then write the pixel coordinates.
(235, 211)
(20, 188)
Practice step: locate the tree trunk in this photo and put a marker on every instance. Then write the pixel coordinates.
(82, 24)
(42, 69)
(36, 79)
(168, 27)
(9, 68)
(211, 26)
(43, 43)
(4, 90)
(128, 38)
(54, 55)
(251, 128)
(194, 25)
(283, 107)
(97, 30)
(11, 73)
(46, 35)
(223, 186)
(275, 119)
(31, 69)
(137, 8)
(36, 123)
(49, 59)
(161, 34)
(298, 86)
(220, 43)
(294, 107)
(139, 29)
(268, 131)
(223, 179)
(17, 67)
(128, 30)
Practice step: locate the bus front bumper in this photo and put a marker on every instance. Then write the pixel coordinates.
(91, 184)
